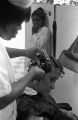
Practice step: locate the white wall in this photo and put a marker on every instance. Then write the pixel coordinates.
(67, 30)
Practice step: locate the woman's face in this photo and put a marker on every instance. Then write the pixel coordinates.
(11, 31)
(37, 21)
(46, 85)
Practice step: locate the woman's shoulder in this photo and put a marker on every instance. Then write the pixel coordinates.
(45, 29)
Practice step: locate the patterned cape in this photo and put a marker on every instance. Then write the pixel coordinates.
(39, 106)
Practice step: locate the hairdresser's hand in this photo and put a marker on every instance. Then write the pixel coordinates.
(37, 72)
(33, 51)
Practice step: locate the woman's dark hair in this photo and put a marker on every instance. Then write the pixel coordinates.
(39, 12)
(42, 14)
(10, 13)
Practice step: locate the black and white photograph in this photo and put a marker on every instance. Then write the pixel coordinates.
(38, 59)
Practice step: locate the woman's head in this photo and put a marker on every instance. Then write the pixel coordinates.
(48, 83)
(11, 14)
(38, 18)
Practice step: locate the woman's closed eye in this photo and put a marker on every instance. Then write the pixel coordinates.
(53, 78)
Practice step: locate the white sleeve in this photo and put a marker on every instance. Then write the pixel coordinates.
(44, 38)
(5, 85)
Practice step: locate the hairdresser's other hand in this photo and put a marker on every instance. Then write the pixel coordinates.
(32, 51)
(38, 73)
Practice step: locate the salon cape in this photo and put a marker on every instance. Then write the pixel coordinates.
(30, 91)
(6, 79)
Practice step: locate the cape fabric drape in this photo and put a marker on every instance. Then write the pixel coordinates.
(39, 106)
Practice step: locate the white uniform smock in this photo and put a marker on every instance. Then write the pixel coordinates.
(6, 79)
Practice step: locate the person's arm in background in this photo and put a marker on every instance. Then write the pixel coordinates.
(12, 91)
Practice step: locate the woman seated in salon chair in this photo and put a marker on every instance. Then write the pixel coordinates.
(38, 104)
